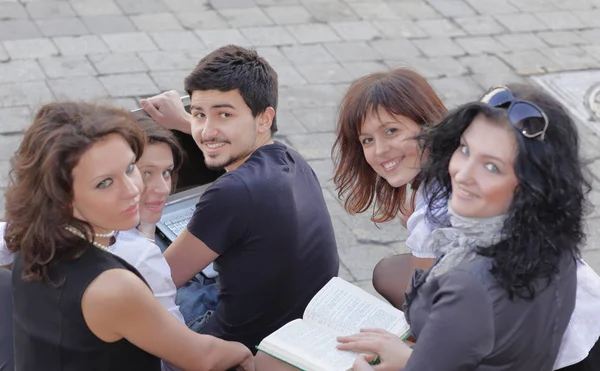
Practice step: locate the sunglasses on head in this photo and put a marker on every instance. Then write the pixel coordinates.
(528, 118)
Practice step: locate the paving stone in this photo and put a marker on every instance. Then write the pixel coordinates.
(528, 62)
(3, 54)
(57, 67)
(288, 124)
(570, 58)
(359, 30)
(290, 14)
(8, 145)
(221, 4)
(62, 27)
(561, 38)
(394, 49)
(268, 36)
(406, 29)
(492, 7)
(439, 47)
(318, 120)
(592, 256)
(30, 48)
(86, 88)
(590, 18)
(324, 73)
(18, 29)
(129, 42)
(13, 11)
(276, 2)
(457, 90)
(171, 60)
(105, 24)
(345, 274)
(131, 84)
(20, 70)
(313, 33)
(439, 27)
(592, 36)
(304, 96)
(313, 146)
(205, 20)
(374, 11)
(14, 119)
(156, 22)
(354, 51)
(533, 5)
(170, 80)
(110, 63)
(85, 8)
(414, 10)
(180, 6)
(366, 232)
(480, 25)
(522, 41)
(593, 50)
(362, 258)
(307, 54)
(521, 22)
(177, 40)
(432, 67)
(126, 103)
(141, 6)
(480, 44)
(573, 4)
(331, 11)
(273, 55)
(245, 17)
(562, 20)
(45, 10)
(30, 93)
(214, 39)
(453, 8)
(288, 75)
(486, 81)
(80, 45)
(481, 64)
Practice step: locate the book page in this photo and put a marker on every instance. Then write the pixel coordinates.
(308, 347)
(346, 309)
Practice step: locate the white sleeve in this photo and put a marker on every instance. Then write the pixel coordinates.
(419, 238)
(6, 257)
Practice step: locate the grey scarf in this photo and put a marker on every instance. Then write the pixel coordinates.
(460, 241)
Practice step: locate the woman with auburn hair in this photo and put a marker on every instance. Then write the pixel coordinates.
(74, 182)
(377, 160)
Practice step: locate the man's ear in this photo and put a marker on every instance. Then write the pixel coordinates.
(265, 120)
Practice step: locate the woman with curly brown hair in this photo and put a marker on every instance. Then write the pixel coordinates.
(74, 182)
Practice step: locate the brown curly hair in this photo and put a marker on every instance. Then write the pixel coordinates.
(40, 192)
(399, 92)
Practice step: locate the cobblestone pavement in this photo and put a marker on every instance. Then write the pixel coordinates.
(121, 50)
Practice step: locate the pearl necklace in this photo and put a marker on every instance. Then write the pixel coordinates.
(95, 243)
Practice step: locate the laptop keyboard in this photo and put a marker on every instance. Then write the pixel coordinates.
(178, 223)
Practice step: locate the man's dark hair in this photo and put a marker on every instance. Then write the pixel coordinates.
(232, 67)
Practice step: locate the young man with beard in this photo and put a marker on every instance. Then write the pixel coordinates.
(264, 222)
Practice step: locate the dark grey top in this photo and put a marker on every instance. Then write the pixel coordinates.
(463, 320)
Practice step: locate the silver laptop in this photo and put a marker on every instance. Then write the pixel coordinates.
(194, 177)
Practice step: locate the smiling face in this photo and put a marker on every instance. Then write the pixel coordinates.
(482, 170)
(225, 129)
(106, 186)
(388, 147)
(156, 165)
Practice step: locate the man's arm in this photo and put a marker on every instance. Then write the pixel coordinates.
(168, 111)
(187, 256)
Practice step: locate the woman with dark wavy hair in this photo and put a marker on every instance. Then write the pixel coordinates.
(503, 292)
(78, 306)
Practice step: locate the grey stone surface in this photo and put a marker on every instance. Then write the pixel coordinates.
(117, 51)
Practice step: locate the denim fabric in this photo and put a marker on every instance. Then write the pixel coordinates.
(197, 301)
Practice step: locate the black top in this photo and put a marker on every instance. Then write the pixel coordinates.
(270, 225)
(6, 322)
(50, 332)
(464, 320)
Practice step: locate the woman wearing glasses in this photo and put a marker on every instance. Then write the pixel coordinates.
(503, 292)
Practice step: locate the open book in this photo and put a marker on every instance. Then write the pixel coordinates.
(339, 308)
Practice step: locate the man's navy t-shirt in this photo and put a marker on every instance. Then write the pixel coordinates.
(269, 223)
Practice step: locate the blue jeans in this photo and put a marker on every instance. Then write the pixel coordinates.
(197, 301)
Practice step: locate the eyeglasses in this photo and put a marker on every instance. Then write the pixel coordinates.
(528, 118)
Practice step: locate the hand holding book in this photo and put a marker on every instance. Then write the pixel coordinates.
(392, 351)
